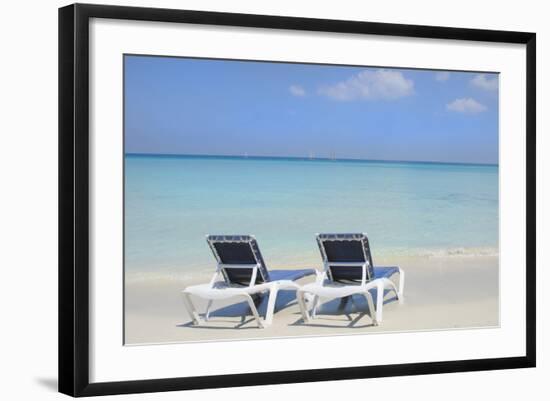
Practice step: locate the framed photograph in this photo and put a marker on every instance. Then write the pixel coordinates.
(251, 199)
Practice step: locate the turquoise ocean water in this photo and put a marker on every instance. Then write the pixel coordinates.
(407, 209)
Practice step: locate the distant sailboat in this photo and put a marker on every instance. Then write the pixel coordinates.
(332, 156)
(311, 155)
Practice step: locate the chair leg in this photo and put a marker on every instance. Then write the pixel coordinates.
(207, 314)
(389, 283)
(315, 304)
(372, 311)
(300, 296)
(188, 303)
(271, 304)
(401, 286)
(379, 300)
(254, 310)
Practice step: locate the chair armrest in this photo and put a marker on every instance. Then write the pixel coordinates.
(320, 277)
(214, 278)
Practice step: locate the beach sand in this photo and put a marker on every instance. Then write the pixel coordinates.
(441, 292)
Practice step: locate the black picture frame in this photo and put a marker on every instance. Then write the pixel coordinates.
(74, 198)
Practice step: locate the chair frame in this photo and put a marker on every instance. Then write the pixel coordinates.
(325, 287)
(218, 289)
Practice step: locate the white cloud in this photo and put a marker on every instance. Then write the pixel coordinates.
(483, 82)
(369, 85)
(466, 105)
(297, 90)
(442, 76)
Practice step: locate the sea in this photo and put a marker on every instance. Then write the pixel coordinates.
(407, 209)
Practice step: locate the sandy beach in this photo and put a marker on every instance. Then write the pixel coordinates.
(441, 292)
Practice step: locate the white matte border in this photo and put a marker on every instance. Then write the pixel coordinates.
(111, 361)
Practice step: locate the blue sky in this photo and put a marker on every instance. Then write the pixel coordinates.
(218, 107)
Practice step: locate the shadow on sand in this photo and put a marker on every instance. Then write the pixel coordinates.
(285, 299)
(355, 304)
(344, 307)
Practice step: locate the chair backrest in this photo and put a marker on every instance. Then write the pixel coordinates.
(237, 255)
(344, 255)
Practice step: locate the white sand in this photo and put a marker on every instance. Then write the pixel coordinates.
(440, 293)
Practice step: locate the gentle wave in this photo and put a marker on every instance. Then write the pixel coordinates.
(162, 277)
(447, 252)
(196, 273)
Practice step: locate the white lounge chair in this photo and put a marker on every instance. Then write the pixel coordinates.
(348, 270)
(241, 273)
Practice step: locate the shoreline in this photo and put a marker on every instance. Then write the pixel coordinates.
(440, 293)
(206, 270)
(199, 271)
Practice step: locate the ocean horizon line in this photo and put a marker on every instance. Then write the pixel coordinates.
(303, 158)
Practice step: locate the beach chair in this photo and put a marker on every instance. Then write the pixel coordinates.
(241, 273)
(348, 270)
